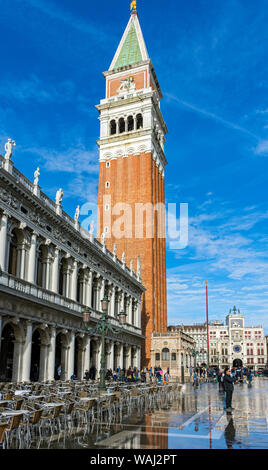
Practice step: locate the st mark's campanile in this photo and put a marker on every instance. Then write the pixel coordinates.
(132, 174)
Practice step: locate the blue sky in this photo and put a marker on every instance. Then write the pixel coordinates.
(210, 57)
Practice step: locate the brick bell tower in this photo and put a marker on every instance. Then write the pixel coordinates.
(131, 174)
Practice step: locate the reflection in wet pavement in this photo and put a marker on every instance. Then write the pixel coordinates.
(195, 420)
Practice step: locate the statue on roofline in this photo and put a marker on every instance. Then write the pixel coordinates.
(9, 148)
(77, 214)
(59, 196)
(36, 176)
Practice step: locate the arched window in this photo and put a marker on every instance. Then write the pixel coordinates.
(122, 125)
(112, 127)
(157, 357)
(130, 123)
(165, 354)
(139, 121)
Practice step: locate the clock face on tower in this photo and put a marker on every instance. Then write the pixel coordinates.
(237, 323)
(237, 349)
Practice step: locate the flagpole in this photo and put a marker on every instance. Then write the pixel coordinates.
(207, 325)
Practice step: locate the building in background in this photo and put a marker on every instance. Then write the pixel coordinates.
(173, 349)
(235, 344)
(266, 340)
(199, 333)
(132, 173)
(51, 269)
(231, 344)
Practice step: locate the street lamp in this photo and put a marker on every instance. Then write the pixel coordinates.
(194, 355)
(122, 318)
(103, 327)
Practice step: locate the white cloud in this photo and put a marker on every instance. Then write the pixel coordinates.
(32, 88)
(209, 115)
(234, 262)
(76, 160)
(65, 16)
(262, 148)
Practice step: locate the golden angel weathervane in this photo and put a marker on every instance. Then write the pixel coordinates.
(133, 5)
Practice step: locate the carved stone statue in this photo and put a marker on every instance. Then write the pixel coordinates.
(77, 214)
(139, 267)
(131, 265)
(114, 249)
(123, 257)
(9, 148)
(91, 227)
(103, 238)
(59, 197)
(127, 84)
(36, 176)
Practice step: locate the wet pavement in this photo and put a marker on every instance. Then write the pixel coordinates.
(195, 420)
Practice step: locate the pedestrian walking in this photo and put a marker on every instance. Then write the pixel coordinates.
(195, 380)
(166, 378)
(228, 382)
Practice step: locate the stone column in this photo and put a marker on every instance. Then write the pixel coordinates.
(98, 360)
(87, 353)
(128, 356)
(67, 291)
(84, 287)
(134, 314)
(138, 315)
(43, 362)
(32, 259)
(135, 122)
(121, 355)
(129, 317)
(17, 360)
(74, 281)
(111, 356)
(70, 360)
(51, 355)
(112, 302)
(3, 241)
(95, 306)
(135, 356)
(122, 302)
(21, 261)
(27, 354)
(138, 358)
(89, 289)
(55, 274)
(179, 364)
(102, 293)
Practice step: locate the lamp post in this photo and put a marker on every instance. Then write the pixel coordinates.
(103, 327)
(194, 355)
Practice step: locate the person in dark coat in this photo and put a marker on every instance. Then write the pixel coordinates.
(228, 382)
(92, 372)
(220, 380)
(87, 375)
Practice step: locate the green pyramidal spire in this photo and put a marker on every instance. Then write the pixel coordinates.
(132, 48)
(130, 52)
